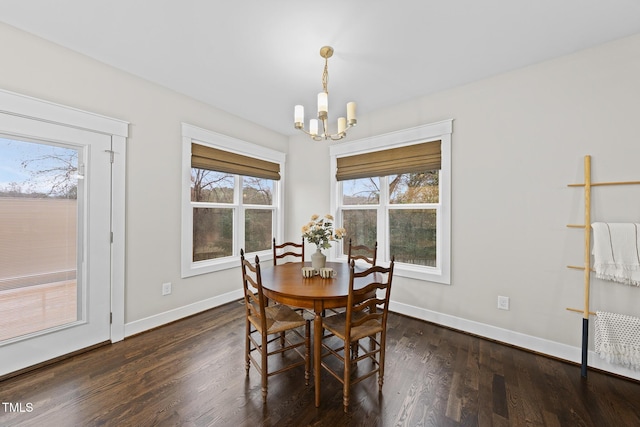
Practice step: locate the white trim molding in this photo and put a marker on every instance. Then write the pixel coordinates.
(34, 108)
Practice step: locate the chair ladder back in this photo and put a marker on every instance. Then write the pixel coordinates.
(365, 304)
(254, 298)
(371, 308)
(362, 252)
(288, 249)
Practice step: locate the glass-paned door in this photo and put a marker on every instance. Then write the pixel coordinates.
(55, 209)
(38, 236)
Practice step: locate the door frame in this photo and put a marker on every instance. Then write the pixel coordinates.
(12, 103)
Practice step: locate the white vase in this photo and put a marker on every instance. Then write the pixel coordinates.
(318, 259)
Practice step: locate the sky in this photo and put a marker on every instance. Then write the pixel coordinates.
(13, 152)
(10, 169)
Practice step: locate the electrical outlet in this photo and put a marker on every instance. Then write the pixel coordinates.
(503, 303)
(166, 288)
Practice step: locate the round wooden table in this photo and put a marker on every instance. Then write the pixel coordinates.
(284, 283)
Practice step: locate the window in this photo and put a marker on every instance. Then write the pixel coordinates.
(230, 200)
(395, 189)
(215, 198)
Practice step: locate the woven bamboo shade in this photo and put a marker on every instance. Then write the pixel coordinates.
(412, 158)
(209, 158)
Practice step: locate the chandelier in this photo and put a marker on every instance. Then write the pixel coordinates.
(323, 110)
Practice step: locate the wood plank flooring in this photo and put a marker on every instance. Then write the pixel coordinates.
(191, 373)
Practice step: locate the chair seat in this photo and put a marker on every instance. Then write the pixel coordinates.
(279, 318)
(337, 326)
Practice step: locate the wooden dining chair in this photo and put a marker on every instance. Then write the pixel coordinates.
(365, 317)
(365, 253)
(266, 324)
(287, 249)
(362, 252)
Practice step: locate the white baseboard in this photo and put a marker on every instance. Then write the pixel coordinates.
(539, 345)
(154, 321)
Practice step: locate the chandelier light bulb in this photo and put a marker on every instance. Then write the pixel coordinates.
(298, 116)
(323, 105)
(313, 127)
(351, 113)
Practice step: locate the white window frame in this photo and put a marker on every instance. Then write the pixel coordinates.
(412, 136)
(192, 134)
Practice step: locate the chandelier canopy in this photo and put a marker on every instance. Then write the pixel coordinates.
(323, 110)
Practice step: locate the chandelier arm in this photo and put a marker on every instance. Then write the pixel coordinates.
(341, 135)
(314, 137)
(325, 135)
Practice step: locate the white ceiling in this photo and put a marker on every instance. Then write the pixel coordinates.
(258, 58)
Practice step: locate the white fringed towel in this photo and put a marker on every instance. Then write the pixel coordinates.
(616, 252)
(617, 339)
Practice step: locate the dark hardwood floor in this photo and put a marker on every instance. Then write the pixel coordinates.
(191, 373)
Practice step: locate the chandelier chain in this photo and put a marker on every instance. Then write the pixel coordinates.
(325, 76)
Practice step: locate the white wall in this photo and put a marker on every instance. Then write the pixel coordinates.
(38, 68)
(518, 140)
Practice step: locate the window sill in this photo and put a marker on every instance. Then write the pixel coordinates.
(427, 274)
(226, 263)
(411, 271)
